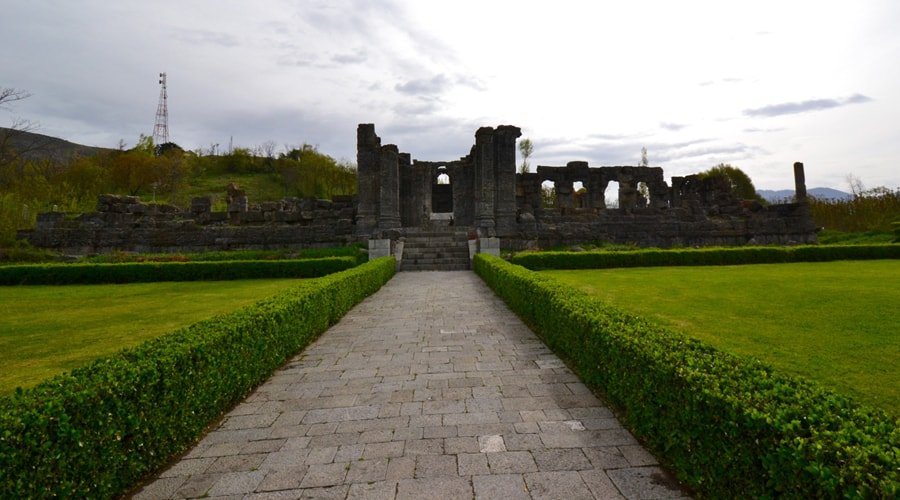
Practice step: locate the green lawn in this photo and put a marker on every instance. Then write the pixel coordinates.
(835, 322)
(45, 330)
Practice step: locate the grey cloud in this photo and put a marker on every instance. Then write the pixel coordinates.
(207, 37)
(790, 108)
(418, 106)
(717, 151)
(672, 126)
(300, 60)
(428, 86)
(437, 84)
(627, 152)
(754, 130)
(707, 83)
(357, 56)
(431, 138)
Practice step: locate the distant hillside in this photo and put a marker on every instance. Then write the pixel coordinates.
(821, 193)
(32, 146)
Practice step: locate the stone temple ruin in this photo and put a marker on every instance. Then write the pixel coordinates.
(436, 214)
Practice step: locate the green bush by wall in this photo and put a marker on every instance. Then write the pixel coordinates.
(142, 272)
(703, 256)
(96, 431)
(729, 427)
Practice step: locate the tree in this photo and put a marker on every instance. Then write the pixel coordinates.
(856, 185)
(10, 144)
(740, 183)
(526, 148)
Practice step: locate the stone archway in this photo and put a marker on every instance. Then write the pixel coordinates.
(442, 192)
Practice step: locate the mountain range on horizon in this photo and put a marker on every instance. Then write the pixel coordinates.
(822, 193)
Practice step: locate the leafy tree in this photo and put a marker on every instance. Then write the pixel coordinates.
(526, 148)
(740, 182)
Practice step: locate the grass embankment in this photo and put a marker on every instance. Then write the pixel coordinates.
(832, 322)
(45, 330)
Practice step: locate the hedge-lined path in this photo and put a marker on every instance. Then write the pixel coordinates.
(430, 388)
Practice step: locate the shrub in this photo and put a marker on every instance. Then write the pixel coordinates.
(142, 272)
(96, 431)
(729, 426)
(703, 256)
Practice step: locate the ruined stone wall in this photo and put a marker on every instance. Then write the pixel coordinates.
(125, 223)
(772, 225)
(488, 197)
(482, 183)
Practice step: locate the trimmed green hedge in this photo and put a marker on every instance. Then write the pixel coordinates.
(140, 272)
(728, 426)
(96, 431)
(703, 256)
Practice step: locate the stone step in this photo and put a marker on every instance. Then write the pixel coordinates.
(434, 260)
(459, 266)
(433, 249)
(435, 255)
(443, 238)
(435, 243)
(435, 234)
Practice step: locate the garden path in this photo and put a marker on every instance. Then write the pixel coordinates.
(430, 388)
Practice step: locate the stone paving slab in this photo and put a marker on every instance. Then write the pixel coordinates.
(430, 388)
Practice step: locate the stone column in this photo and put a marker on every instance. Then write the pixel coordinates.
(368, 168)
(675, 191)
(408, 191)
(505, 163)
(564, 198)
(484, 179)
(799, 183)
(389, 204)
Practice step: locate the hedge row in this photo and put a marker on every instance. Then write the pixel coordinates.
(728, 426)
(96, 431)
(703, 256)
(141, 272)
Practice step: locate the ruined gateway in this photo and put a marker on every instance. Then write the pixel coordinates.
(480, 199)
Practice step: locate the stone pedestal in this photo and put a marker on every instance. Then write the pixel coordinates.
(379, 248)
(490, 246)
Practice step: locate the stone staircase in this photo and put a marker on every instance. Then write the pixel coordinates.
(445, 249)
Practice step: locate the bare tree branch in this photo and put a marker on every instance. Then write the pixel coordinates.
(10, 95)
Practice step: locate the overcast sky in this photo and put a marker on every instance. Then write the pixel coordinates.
(758, 84)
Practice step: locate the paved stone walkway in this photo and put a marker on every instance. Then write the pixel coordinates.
(431, 388)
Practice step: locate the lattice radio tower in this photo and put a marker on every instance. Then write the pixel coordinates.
(161, 129)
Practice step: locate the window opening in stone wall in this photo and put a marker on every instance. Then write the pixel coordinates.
(579, 195)
(643, 195)
(611, 195)
(442, 194)
(548, 194)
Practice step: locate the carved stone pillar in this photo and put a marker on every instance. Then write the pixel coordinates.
(799, 183)
(484, 179)
(389, 205)
(368, 167)
(505, 166)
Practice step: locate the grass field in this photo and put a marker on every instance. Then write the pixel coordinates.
(836, 322)
(45, 330)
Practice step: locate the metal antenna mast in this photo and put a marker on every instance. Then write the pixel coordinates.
(161, 129)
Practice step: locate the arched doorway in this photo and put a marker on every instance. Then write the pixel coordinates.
(580, 195)
(548, 194)
(442, 192)
(611, 195)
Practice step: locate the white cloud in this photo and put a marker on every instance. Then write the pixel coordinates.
(696, 82)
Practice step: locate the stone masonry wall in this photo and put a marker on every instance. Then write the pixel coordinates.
(125, 223)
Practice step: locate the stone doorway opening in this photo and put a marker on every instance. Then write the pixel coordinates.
(442, 192)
